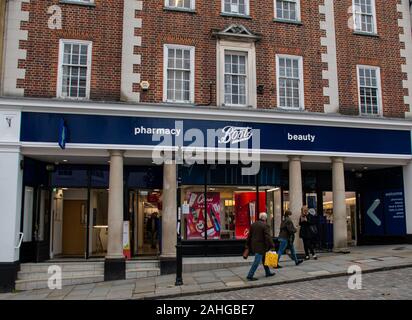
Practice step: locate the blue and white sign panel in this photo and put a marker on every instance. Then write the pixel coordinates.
(119, 130)
(385, 213)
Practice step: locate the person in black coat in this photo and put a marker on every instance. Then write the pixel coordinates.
(307, 232)
(259, 242)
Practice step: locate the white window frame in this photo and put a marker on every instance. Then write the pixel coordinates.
(379, 83)
(375, 23)
(298, 15)
(62, 42)
(237, 53)
(247, 9)
(171, 6)
(301, 82)
(247, 48)
(192, 72)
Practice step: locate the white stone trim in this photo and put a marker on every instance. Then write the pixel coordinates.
(406, 38)
(100, 150)
(222, 47)
(12, 54)
(129, 58)
(204, 113)
(330, 58)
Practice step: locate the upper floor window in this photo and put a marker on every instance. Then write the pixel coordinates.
(178, 74)
(180, 4)
(74, 69)
(365, 15)
(235, 78)
(240, 7)
(369, 90)
(287, 10)
(290, 81)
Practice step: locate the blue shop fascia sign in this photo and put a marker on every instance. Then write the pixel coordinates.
(140, 131)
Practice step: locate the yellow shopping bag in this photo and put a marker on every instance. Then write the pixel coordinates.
(271, 259)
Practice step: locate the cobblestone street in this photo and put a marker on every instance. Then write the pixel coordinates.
(385, 285)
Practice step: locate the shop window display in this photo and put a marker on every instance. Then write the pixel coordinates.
(230, 211)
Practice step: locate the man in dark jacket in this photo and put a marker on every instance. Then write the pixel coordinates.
(259, 242)
(287, 237)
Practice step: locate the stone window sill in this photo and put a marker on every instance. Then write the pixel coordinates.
(234, 15)
(179, 9)
(79, 3)
(366, 34)
(297, 23)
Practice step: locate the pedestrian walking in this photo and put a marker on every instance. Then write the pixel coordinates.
(307, 232)
(152, 227)
(287, 237)
(259, 242)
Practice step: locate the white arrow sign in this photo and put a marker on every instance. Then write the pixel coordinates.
(371, 212)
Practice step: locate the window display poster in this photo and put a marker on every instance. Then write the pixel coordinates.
(196, 217)
(246, 211)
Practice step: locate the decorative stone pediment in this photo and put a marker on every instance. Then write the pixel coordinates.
(236, 32)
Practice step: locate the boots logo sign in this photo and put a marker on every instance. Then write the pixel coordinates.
(235, 134)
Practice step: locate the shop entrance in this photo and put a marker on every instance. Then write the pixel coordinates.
(69, 223)
(79, 223)
(74, 227)
(145, 213)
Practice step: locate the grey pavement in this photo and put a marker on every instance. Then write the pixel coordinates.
(370, 259)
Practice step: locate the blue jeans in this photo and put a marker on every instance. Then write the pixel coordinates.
(255, 265)
(282, 247)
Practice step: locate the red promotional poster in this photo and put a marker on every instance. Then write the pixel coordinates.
(196, 217)
(246, 211)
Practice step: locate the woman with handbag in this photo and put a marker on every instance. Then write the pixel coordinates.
(307, 232)
(287, 237)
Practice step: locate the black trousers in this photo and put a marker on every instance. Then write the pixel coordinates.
(308, 245)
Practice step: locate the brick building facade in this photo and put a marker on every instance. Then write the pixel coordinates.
(308, 37)
(324, 89)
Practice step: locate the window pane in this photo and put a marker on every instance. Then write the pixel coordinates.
(178, 74)
(289, 82)
(235, 79)
(368, 91)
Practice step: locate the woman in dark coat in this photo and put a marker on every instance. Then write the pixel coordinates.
(307, 232)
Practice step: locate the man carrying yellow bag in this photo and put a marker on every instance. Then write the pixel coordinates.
(259, 242)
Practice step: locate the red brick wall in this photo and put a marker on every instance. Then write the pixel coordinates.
(382, 51)
(101, 24)
(161, 27)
